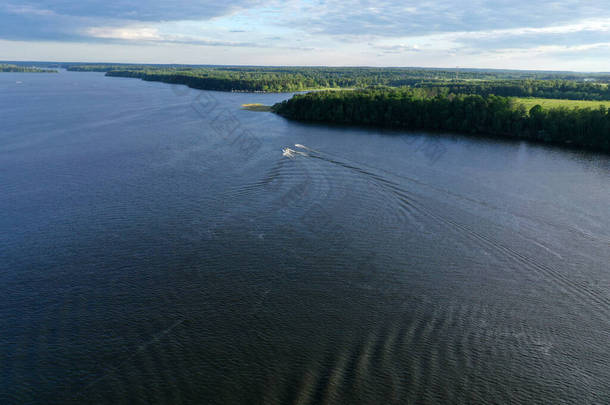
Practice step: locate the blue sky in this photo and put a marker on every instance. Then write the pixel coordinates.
(519, 34)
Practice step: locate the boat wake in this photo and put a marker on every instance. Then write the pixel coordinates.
(291, 153)
(417, 209)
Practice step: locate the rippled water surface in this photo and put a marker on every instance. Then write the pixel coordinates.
(156, 246)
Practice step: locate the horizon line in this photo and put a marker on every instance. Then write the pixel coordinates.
(307, 66)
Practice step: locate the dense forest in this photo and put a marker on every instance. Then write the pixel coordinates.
(231, 81)
(475, 114)
(103, 68)
(282, 79)
(557, 89)
(22, 69)
(289, 79)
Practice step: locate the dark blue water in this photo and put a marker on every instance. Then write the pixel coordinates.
(157, 247)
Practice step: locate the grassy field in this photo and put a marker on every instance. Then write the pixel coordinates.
(553, 103)
(256, 107)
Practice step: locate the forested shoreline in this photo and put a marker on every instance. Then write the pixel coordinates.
(568, 85)
(493, 115)
(473, 101)
(24, 69)
(292, 81)
(286, 79)
(226, 82)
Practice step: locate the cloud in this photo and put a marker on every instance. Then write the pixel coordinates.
(124, 33)
(401, 18)
(372, 32)
(24, 9)
(358, 18)
(397, 49)
(150, 10)
(568, 36)
(77, 19)
(139, 33)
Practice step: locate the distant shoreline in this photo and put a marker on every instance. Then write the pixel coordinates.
(24, 69)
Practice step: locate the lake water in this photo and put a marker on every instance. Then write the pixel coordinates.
(157, 247)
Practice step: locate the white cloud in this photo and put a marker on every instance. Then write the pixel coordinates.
(362, 32)
(28, 10)
(126, 33)
(598, 25)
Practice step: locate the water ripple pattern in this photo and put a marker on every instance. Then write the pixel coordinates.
(149, 256)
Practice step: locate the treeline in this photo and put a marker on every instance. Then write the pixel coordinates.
(103, 68)
(26, 69)
(474, 114)
(380, 75)
(262, 79)
(289, 79)
(227, 81)
(558, 89)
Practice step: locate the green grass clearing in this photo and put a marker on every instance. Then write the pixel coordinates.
(256, 107)
(555, 103)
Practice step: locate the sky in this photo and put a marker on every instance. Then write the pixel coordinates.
(505, 34)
